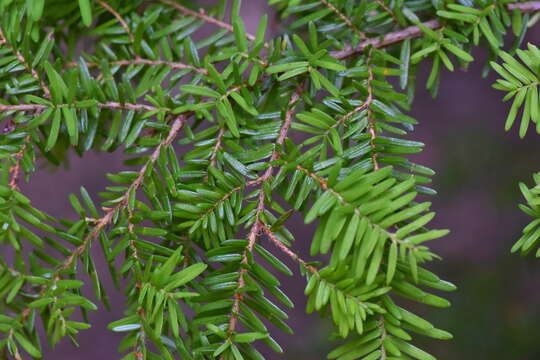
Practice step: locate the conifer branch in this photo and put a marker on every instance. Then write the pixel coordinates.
(26, 64)
(414, 32)
(106, 219)
(368, 219)
(16, 168)
(123, 203)
(258, 224)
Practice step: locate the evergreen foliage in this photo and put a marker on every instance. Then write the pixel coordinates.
(311, 122)
(520, 80)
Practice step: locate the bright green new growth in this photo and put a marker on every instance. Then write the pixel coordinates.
(309, 122)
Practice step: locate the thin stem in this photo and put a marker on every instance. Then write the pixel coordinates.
(201, 14)
(215, 150)
(250, 183)
(388, 10)
(313, 270)
(530, 6)
(238, 296)
(414, 32)
(345, 19)
(15, 170)
(365, 105)
(110, 213)
(22, 107)
(141, 61)
(383, 336)
(288, 117)
(386, 40)
(123, 203)
(348, 115)
(108, 105)
(286, 250)
(119, 18)
(372, 124)
(258, 225)
(26, 64)
(323, 184)
(135, 107)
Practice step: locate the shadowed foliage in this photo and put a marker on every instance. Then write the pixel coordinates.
(228, 134)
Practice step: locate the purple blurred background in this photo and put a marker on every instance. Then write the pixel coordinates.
(494, 313)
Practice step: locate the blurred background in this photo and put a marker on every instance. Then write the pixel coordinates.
(495, 312)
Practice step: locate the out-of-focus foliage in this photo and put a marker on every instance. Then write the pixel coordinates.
(531, 232)
(520, 80)
(309, 122)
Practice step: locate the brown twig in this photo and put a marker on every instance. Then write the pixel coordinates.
(238, 296)
(288, 118)
(388, 10)
(119, 18)
(313, 270)
(22, 107)
(283, 131)
(252, 239)
(288, 251)
(250, 183)
(386, 40)
(323, 184)
(413, 32)
(15, 170)
(26, 65)
(348, 115)
(134, 107)
(345, 19)
(109, 214)
(258, 225)
(108, 105)
(201, 14)
(215, 150)
(530, 6)
(140, 61)
(364, 106)
(372, 124)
